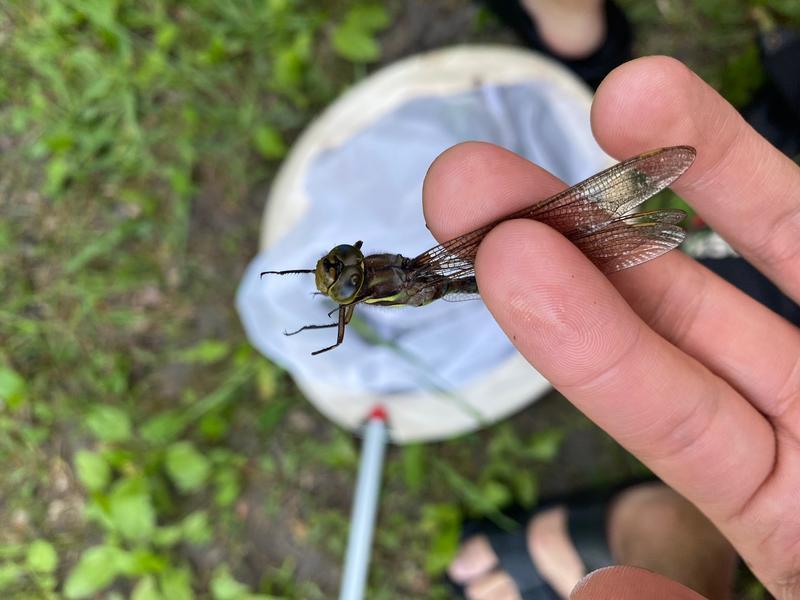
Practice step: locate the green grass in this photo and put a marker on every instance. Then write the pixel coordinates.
(148, 452)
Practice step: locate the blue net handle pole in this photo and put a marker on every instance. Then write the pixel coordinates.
(365, 507)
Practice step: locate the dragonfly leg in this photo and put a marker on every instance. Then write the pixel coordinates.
(348, 313)
(304, 327)
(345, 314)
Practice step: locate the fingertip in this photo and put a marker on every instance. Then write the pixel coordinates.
(649, 102)
(473, 183)
(446, 180)
(630, 583)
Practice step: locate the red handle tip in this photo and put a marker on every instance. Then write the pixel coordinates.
(378, 413)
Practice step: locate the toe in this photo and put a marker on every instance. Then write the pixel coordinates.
(474, 558)
(496, 585)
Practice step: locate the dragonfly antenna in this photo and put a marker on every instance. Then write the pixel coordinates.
(286, 272)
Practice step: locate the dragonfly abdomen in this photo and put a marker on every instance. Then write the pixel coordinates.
(465, 285)
(454, 287)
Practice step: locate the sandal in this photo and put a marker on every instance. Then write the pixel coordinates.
(586, 524)
(615, 49)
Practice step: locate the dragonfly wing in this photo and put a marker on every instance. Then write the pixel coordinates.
(590, 206)
(632, 239)
(615, 191)
(459, 297)
(584, 207)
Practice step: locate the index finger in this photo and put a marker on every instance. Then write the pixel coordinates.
(740, 184)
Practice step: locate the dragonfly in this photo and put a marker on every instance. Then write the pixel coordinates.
(595, 215)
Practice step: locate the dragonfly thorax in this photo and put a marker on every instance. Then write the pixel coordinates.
(340, 273)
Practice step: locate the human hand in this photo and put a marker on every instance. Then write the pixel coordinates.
(630, 583)
(695, 378)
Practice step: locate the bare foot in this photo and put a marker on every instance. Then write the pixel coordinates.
(570, 28)
(652, 526)
(649, 526)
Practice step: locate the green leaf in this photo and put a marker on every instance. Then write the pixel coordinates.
(226, 481)
(477, 499)
(146, 590)
(414, 466)
(187, 468)
(12, 387)
(175, 584)
(10, 573)
(289, 64)
(96, 568)
(340, 451)
(144, 562)
(166, 35)
(742, 76)
(272, 414)
(168, 535)
(369, 17)
(354, 39)
(267, 377)
(163, 428)
(57, 171)
(496, 493)
(526, 488)
(131, 509)
(545, 445)
(268, 142)
(356, 45)
(41, 557)
(225, 587)
(180, 180)
(109, 423)
(442, 522)
(213, 426)
(205, 352)
(60, 141)
(93, 470)
(196, 528)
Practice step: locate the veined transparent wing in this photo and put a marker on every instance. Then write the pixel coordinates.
(593, 215)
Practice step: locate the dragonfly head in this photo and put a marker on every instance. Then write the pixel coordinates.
(340, 273)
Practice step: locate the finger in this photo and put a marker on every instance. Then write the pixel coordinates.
(741, 185)
(738, 338)
(474, 183)
(568, 320)
(630, 583)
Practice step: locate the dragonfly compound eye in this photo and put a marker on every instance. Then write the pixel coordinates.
(325, 274)
(340, 273)
(346, 287)
(348, 255)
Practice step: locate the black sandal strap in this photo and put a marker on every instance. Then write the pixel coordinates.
(587, 530)
(511, 549)
(587, 512)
